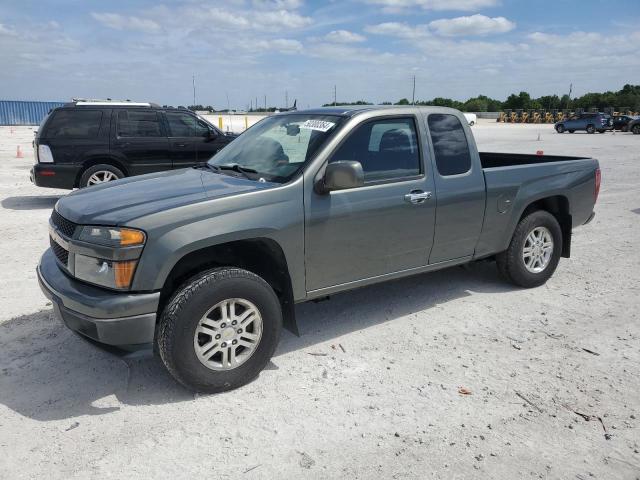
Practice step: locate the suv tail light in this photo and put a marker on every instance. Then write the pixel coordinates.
(44, 154)
(597, 187)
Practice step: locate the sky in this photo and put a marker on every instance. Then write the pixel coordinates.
(240, 50)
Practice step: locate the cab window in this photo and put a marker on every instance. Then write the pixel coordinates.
(386, 149)
(449, 144)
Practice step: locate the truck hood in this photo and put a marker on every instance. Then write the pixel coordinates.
(116, 203)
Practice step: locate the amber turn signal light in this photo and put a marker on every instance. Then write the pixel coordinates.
(123, 273)
(131, 237)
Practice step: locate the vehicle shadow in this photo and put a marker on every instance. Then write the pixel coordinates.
(35, 202)
(49, 373)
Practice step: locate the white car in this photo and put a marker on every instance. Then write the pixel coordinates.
(471, 118)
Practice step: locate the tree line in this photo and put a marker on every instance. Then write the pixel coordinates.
(627, 97)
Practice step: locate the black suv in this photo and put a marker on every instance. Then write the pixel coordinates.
(87, 142)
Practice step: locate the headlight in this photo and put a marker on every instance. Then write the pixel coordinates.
(112, 236)
(109, 273)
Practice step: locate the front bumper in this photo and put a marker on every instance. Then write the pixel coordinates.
(114, 318)
(52, 175)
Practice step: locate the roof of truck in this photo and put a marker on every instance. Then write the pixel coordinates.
(351, 110)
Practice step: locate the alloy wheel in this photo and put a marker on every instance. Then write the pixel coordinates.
(101, 176)
(537, 250)
(228, 334)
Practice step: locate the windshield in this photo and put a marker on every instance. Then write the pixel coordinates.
(277, 147)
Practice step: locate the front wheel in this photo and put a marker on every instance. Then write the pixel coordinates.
(636, 129)
(219, 330)
(591, 129)
(534, 251)
(560, 128)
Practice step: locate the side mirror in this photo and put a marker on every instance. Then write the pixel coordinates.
(342, 175)
(211, 134)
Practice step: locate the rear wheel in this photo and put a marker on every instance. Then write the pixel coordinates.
(534, 251)
(219, 330)
(100, 174)
(560, 128)
(591, 129)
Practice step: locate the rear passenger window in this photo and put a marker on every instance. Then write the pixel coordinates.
(75, 124)
(138, 124)
(386, 149)
(449, 144)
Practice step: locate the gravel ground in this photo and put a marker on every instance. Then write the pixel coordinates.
(372, 387)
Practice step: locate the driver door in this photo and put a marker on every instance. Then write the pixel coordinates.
(191, 140)
(375, 229)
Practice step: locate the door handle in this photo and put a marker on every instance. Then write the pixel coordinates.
(417, 197)
(180, 144)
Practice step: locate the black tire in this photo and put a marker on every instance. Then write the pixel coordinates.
(96, 170)
(591, 129)
(636, 129)
(560, 128)
(179, 320)
(601, 131)
(510, 262)
(571, 131)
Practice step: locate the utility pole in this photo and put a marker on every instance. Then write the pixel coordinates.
(265, 103)
(286, 99)
(193, 79)
(413, 95)
(335, 95)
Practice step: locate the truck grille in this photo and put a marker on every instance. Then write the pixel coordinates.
(65, 226)
(61, 254)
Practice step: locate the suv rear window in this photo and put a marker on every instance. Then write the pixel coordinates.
(138, 124)
(74, 124)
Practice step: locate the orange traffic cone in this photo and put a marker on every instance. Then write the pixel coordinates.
(19, 153)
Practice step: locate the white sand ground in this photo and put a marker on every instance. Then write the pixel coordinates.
(387, 406)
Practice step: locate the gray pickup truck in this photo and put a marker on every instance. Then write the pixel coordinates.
(207, 263)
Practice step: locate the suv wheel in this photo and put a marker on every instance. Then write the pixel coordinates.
(219, 330)
(591, 129)
(534, 251)
(560, 128)
(636, 129)
(100, 174)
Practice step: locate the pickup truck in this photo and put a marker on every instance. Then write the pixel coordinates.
(207, 263)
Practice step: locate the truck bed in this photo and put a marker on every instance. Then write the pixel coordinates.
(492, 160)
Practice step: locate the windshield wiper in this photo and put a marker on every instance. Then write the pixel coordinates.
(236, 168)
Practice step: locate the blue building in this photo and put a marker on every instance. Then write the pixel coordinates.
(16, 112)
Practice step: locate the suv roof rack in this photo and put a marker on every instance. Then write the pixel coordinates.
(110, 102)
